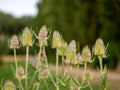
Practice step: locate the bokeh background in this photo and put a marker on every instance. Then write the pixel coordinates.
(81, 20)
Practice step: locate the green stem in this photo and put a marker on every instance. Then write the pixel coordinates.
(83, 80)
(46, 84)
(26, 66)
(100, 62)
(89, 85)
(78, 72)
(15, 59)
(20, 85)
(57, 62)
(62, 65)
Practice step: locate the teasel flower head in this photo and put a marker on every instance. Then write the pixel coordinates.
(27, 37)
(99, 48)
(41, 56)
(20, 74)
(72, 46)
(14, 42)
(78, 59)
(9, 85)
(88, 76)
(56, 40)
(70, 58)
(86, 54)
(63, 49)
(73, 86)
(43, 36)
(44, 74)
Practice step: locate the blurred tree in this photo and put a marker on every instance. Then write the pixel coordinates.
(83, 20)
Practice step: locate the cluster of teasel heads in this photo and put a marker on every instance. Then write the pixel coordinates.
(70, 56)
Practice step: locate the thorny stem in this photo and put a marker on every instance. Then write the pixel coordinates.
(26, 66)
(57, 62)
(66, 70)
(20, 85)
(100, 62)
(62, 65)
(15, 59)
(89, 85)
(85, 67)
(46, 84)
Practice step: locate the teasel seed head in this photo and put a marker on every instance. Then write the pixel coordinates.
(20, 74)
(56, 40)
(27, 37)
(99, 48)
(86, 54)
(63, 49)
(14, 42)
(9, 85)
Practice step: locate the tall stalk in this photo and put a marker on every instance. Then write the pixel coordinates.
(15, 59)
(57, 62)
(100, 62)
(26, 66)
(62, 65)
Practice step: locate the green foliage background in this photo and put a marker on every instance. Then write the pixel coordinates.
(82, 20)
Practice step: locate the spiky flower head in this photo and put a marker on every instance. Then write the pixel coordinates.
(20, 74)
(70, 58)
(14, 42)
(43, 33)
(99, 48)
(72, 46)
(27, 37)
(63, 49)
(56, 40)
(44, 74)
(86, 54)
(9, 85)
(78, 59)
(73, 86)
(88, 76)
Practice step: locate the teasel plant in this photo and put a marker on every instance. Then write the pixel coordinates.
(27, 41)
(100, 51)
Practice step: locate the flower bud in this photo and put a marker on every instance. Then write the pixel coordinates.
(41, 56)
(86, 54)
(43, 33)
(27, 37)
(14, 42)
(44, 74)
(70, 58)
(99, 48)
(9, 85)
(72, 46)
(87, 76)
(63, 49)
(20, 73)
(56, 40)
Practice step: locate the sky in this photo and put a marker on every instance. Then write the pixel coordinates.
(19, 8)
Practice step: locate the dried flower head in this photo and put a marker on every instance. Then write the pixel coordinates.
(14, 42)
(99, 48)
(63, 49)
(56, 40)
(27, 37)
(9, 85)
(86, 54)
(20, 74)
